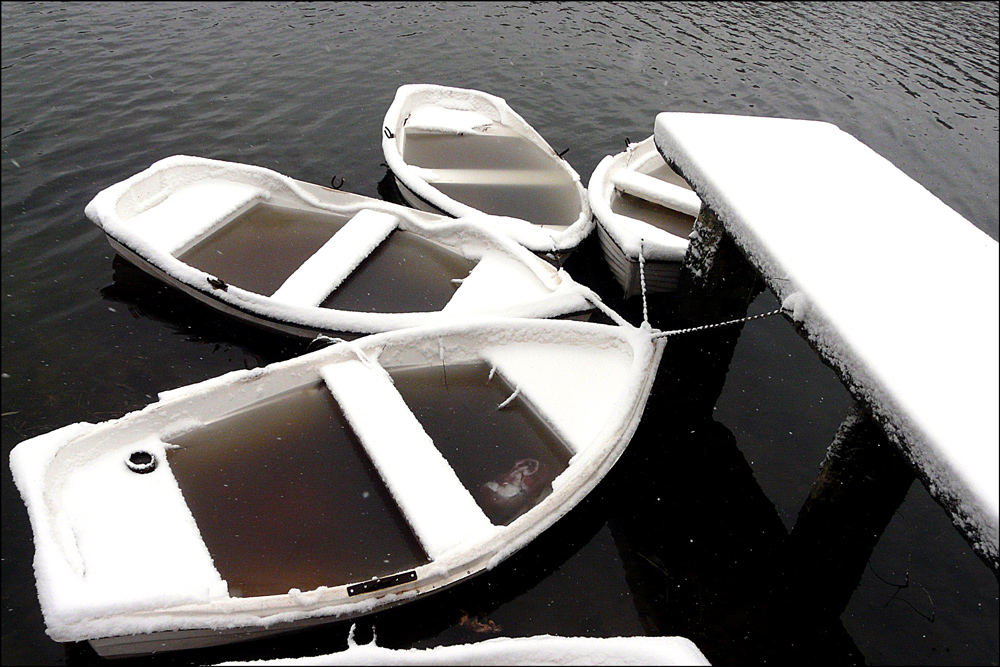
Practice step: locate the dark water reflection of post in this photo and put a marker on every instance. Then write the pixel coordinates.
(706, 554)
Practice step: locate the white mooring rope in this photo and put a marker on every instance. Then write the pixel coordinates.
(642, 285)
(664, 334)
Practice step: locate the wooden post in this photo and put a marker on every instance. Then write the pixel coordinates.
(716, 284)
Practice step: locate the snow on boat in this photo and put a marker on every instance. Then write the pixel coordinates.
(460, 152)
(537, 650)
(327, 486)
(642, 206)
(304, 260)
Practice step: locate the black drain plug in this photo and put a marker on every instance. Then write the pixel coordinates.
(141, 462)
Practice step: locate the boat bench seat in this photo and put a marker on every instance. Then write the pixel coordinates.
(441, 511)
(496, 282)
(504, 177)
(191, 212)
(329, 266)
(656, 191)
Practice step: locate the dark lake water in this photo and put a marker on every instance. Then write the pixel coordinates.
(687, 535)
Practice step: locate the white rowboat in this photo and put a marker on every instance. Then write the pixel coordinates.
(305, 260)
(537, 650)
(327, 486)
(642, 206)
(462, 152)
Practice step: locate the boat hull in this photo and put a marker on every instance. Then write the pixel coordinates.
(304, 260)
(52, 473)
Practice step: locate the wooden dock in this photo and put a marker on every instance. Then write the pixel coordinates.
(892, 288)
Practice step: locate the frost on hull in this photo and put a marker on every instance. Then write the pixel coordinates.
(304, 260)
(245, 524)
(465, 152)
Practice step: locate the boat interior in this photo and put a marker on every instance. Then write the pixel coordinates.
(277, 511)
(493, 169)
(631, 196)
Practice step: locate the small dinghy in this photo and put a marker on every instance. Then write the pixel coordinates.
(362, 475)
(460, 152)
(305, 260)
(642, 207)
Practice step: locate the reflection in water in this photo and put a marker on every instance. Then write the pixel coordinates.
(149, 297)
(703, 550)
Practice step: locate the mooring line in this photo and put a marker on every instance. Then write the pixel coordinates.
(664, 334)
(642, 285)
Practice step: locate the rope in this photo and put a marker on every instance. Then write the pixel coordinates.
(664, 334)
(642, 285)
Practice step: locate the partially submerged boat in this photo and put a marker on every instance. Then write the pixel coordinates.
(327, 486)
(304, 260)
(460, 152)
(642, 208)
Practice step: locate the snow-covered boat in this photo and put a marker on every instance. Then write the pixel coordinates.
(327, 486)
(305, 260)
(536, 650)
(458, 152)
(642, 208)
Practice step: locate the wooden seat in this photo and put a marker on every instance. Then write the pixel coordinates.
(656, 191)
(441, 511)
(329, 266)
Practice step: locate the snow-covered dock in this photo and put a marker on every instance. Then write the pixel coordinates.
(892, 288)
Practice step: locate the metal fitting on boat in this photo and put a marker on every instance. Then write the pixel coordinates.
(141, 462)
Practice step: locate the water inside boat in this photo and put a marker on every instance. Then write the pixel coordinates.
(259, 249)
(663, 172)
(404, 274)
(507, 457)
(661, 217)
(498, 173)
(285, 497)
